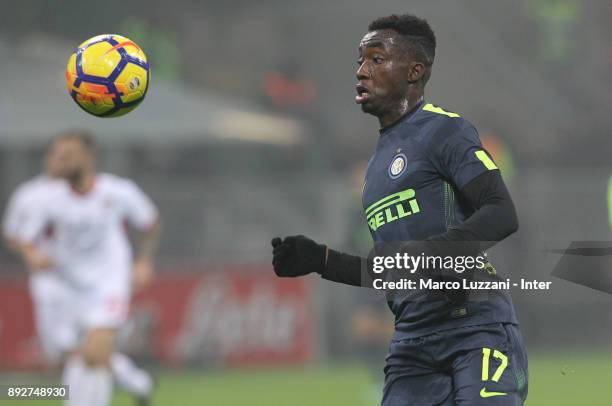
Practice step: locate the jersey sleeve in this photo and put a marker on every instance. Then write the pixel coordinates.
(14, 214)
(32, 224)
(139, 210)
(458, 154)
(19, 214)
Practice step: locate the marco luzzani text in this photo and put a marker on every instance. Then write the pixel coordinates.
(458, 264)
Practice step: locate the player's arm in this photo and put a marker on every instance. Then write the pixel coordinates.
(144, 263)
(299, 255)
(493, 220)
(495, 216)
(149, 242)
(142, 215)
(9, 237)
(458, 155)
(12, 218)
(22, 235)
(31, 256)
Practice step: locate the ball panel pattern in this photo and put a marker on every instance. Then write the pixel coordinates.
(108, 75)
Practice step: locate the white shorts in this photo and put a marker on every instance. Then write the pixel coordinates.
(64, 314)
(103, 306)
(54, 327)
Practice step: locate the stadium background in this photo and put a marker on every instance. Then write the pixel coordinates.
(249, 131)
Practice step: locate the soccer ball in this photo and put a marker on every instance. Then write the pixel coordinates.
(108, 75)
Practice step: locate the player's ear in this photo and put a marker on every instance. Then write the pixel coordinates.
(415, 72)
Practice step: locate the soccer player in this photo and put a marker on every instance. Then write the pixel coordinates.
(91, 256)
(429, 182)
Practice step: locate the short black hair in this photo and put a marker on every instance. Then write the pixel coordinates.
(416, 31)
(84, 136)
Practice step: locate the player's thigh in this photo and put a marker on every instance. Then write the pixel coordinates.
(54, 316)
(433, 389)
(98, 346)
(57, 330)
(105, 306)
(411, 378)
(494, 375)
(103, 312)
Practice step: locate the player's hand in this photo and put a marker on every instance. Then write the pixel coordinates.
(34, 259)
(142, 274)
(297, 256)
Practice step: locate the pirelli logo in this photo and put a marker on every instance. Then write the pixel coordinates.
(393, 207)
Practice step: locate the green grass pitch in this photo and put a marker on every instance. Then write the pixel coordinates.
(556, 380)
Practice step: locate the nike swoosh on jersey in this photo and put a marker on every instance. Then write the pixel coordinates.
(485, 394)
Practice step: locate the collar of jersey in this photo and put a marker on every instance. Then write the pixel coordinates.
(403, 118)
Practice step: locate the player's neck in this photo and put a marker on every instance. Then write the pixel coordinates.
(84, 183)
(403, 108)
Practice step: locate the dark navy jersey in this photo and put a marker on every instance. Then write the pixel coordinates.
(412, 191)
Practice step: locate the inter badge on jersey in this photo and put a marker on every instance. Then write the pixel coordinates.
(397, 166)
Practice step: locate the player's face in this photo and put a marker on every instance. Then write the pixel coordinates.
(72, 158)
(53, 165)
(381, 73)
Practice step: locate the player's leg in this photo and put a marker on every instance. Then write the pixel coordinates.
(68, 322)
(432, 389)
(130, 377)
(58, 329)
(493, 372)
(88, 371)
(58, 332)
(55, 324)
(124, 372)
(101, 310)
(411, 378)
(127, 375)
(111, 310)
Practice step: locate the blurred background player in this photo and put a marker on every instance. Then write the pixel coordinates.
(91, 256)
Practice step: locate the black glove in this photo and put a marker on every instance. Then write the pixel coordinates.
(297, 256)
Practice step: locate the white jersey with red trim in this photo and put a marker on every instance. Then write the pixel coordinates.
(90, 245)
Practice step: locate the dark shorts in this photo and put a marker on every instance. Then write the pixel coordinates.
(470, 366)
